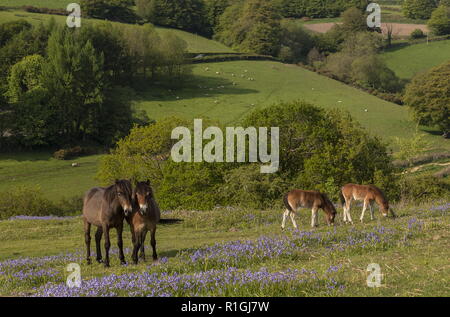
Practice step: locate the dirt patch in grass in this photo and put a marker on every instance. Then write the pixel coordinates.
(400, 29)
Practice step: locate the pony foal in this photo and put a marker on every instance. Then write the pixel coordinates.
(145, 216)
(296, 199)
(367, 193)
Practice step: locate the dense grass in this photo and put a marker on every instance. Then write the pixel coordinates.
(330, 261)
(410, 60)
(196, 43)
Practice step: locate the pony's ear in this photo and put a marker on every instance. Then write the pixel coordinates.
(148, 182)
(117, 181)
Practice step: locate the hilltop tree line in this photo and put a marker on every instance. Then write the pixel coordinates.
(62, 87)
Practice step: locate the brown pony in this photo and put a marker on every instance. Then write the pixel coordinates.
(296, 199)
(106, 208)
(367, 193)
(145, 216)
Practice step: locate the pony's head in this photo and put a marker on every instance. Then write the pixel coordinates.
(143, 193)
(330, 211)
(123, 192)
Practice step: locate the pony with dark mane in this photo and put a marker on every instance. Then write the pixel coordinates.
(368, 194)
(106, 208)
(296, 199)
(145, 216)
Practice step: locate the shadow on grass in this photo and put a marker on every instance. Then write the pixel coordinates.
(195, 87)
(170, 221)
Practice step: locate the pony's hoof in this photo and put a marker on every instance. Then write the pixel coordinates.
(156, 261)
(106, 264)
(123, 262)
(100, 260)
(89, 261)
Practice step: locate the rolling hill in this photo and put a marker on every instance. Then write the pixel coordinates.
(410, 60)
(224, 91)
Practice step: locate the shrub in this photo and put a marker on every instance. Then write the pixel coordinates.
(416, 34)
(439, 22)
(428, 96)
(67, 154)
(423, 188)
(27, 201)
(418, 9)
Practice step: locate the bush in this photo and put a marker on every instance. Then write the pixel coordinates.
(428, 96)
(67, 154)
(423, 188)
(418, 9)
(28, 201)
(416, 34)
(439, 22)
(319, 150)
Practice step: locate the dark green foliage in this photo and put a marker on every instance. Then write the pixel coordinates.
(439, 22)
(187, 15)
(428, 96)
(318, 8)
(423, 188)
(9, 29)
(252, 26)
(357, 62)
(295, 42)
(112, 10)
(30, 201)
(416, 34)
(319, 150)
(418, 9)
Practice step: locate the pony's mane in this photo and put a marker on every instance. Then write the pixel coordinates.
(110, 192)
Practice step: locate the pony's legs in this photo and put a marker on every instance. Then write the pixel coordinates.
(98, 238)
(313, 217)
(87, 240)
(371, 210)
(105, 230)
(292, 215)
(119, 230)
(348, 205)
(283, 222)
(364, 210)
(136, 245)
(153, 243)
(142, 248)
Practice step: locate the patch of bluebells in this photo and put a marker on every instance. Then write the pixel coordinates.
(222, 282)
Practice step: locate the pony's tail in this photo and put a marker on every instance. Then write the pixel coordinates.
(341, 197)
(286, 202)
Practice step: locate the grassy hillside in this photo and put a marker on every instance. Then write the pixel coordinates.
(54, 4)
(211, 93)
(410, 60)
(196, 43)
(412, 252)
(57, 179)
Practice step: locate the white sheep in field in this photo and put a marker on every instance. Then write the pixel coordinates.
(75, 165)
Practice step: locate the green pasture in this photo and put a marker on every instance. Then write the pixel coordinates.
(215, 93)
(412, 251)
(409, 60)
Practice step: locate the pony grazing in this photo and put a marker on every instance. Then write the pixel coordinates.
(145, 216)
(296, 199)
(367, 193)
(106, 208)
